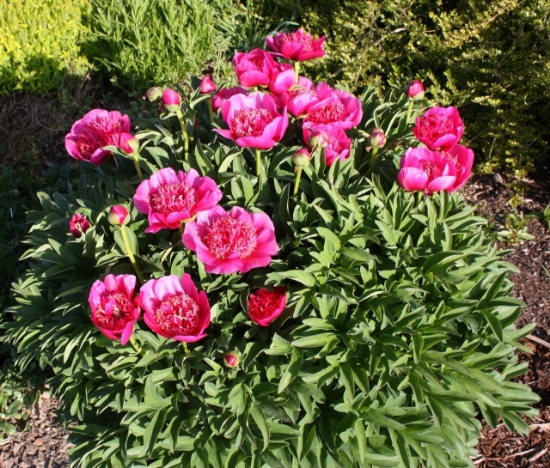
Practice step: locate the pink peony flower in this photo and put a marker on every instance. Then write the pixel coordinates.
(78, 225)
(114, 310)
(439, 128)
(254, 68)
(171, 100)
(223, 95)
(169, 198)
(424, 170)
(299, 45)
(231, 242)
(462, 159)
(415, 90)
(335, 107)
(334, 140)
(174, 309)
(283, 77)
(264, 306)
(118, 215)
(254, 121)
(207, 85)
(300, 98)
(97, 129)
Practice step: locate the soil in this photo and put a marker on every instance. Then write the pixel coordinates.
(43, 443)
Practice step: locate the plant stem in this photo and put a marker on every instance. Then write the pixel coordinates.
(183, 126)
(181, 228)
(131, 255)
(258, 162)
(409, 111)
(210, 113)
(373, 156)
(136, 163)
(297, 183)
(134, 345)
(297, 70)
(185, 348)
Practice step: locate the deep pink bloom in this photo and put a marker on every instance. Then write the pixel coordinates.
(298, 45)
(462, 159)
(264, 306)
(300, 98)
(97, 129)
(174, 309)
(231, 242)
(171, 100)
(224, 94)
(424, 170)
(415, 90)
(439, 128)
(332, 138)
(253, 121)
(254, 68)
(118, 215)
(169, 198)
(207, 85)
(114, 309)
(78, 225)
(283, 77)
(336, 107)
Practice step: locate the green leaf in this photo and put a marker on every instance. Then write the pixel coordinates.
(153, 430)
(302, 277)
(260, 421)
(314, 341)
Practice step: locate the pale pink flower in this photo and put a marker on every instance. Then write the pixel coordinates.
(97, 129)
(439, 128)
(174, 309)
(231, 242)
(335, 107)
(224, 94)
(300, 98)
(299, 45)
(264, 306)
(332, 138)
(78, 225)
(114, 309)
(254, 68)
(168, 198)
(253, 121)
(207, 85)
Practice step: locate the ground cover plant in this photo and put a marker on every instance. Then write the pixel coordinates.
(314, 290)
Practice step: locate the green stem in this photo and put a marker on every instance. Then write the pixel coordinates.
(183, 126)
(134, 345)
(181, 228)
(131, 255)
(136, 163)
(185, 348)
(258, 162)
(297, 70)
(409, 111)
(297, 183)
(210, 113)
(373, 156)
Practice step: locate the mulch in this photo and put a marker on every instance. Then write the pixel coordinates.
(43, 442)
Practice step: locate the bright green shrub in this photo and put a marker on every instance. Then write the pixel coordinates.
(490, 59)
(39, 43)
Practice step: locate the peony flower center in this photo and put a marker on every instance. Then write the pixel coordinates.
(432, 170)
(305, 40)
(298, 91)
(227, 236)
(436, 126)
(115, 310)
(263, 303)
(453, 159)
(332, 112)
(250, 122)
(178, 314)
(176, 197)
(97, 134)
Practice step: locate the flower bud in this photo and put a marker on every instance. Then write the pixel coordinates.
(415, 90)
(207, 85)
(128, 143)
(377, 138)
(118, 215)
(78, 225)
(171, 100)
(317, 139)
(301, 158)
(154, 94)
(231, 359)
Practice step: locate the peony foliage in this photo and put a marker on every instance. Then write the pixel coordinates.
(318, 315)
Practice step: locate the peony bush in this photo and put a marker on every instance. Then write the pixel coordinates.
(278, 274)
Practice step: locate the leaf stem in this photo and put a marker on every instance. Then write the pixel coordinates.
(297, 182)
(183, 126)
(136, 163)
(131, 255)
(373, 156)
(181, 228)
(210, 113)
(185, 348)
(258, 162)
(297, 70)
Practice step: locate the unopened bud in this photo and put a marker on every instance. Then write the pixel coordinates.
(231, 359)
(118, 215)
(207, 85)
(128, 143)
(415, 90)
(317, 139)
(154, 94)
(377, 138)
(301, 158)
(171, 100)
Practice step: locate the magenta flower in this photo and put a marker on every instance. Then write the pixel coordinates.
(439, 128)
(231, 242)
(174, 309)
(415, 90)
(254, 68)
(224, 94)
(97, 129)
(462, 159)
(332, 138)
(171, 100)
(169, 198)
(336, 107)
(283, 77)
(424, 170)
(264, 306)
(253, 121)
(299, 45)
(78, 225)
(207, 85)
(114, 309)
(300, 98)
